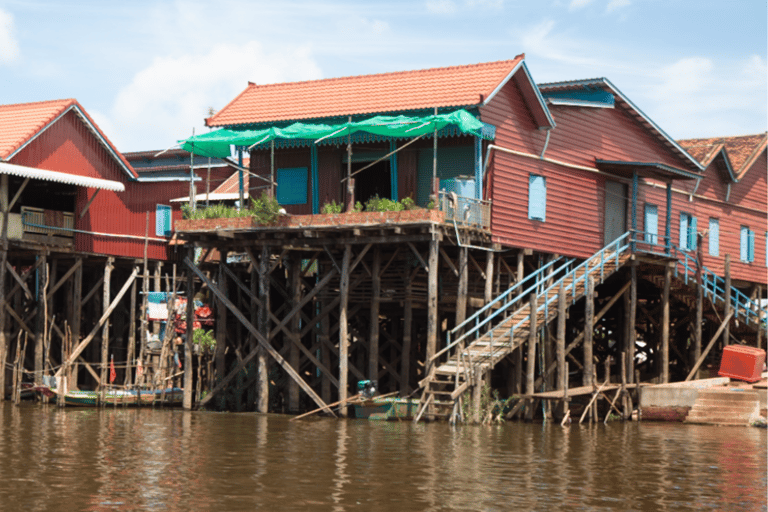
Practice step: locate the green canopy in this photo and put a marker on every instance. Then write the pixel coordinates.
(217, 143)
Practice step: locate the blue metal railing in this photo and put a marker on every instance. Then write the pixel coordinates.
(537, 282)
(713, 287)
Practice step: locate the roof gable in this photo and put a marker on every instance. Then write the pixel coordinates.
(21, 123)
(454, 87)
(621, 100)
(739, 152)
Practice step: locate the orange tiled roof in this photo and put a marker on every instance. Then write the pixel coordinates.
(741, 150)
(455, 86)
(20, 122)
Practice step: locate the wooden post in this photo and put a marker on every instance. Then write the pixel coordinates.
(432, 320)
(40, 322)
(343, 328)
(727, 309)
(562, 377)
(188, 345)
(221, 325)
(131, 352)
(325, 353)
(589, 314)
(293, 352)
(405, 367)
(144, 298)
(158, 288)
(103, 374)
(625, 410)
(699, 298)
(461, 293)
(531, 366)
(625, 336)
(373, 352)
(489, 275)
(518, 353)
(632, 317)
(262, 364)
(665, 325)
(3, 260)
(759, 342)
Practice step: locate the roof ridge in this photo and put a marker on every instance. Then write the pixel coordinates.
(388, 73)
(67, 101)
(720, 138)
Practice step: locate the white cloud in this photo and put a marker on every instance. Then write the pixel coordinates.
(9, 47)
(173, 94)
(485, 4)
(543, 41)
(616, 4)
(441, 6)
(578, 4)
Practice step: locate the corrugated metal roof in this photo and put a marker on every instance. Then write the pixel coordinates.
(60, 177)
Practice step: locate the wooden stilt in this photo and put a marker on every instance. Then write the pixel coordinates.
(461, 294)
(405, 367)
(589, 313)
(188, 343)
(3, 261)
(262, 363)
(631, 326)
(699, 298)
(665, 325)
(105, 329)
(759, 343)
(727, 308)
(489, 277)
(373, 352)
(343, 328)
(158, 287)
(531, 362)
(131, 352)
(562, 377)
(221, 325)
(432, 312)
(294, 355)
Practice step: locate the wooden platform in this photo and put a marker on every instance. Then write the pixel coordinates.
(578, 391)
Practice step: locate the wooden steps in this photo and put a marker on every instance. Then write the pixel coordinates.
(725, 407)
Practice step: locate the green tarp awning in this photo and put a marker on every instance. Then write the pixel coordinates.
(217, 143)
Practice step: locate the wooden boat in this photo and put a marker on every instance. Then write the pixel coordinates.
(387, 408)
(131, 397)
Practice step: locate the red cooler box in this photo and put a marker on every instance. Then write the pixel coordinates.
(742, 363)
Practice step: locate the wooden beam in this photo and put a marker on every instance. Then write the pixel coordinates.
(81, 346)
(447, 259)
(711, 343)
(421, 260)
(19, 280)
(259, 337)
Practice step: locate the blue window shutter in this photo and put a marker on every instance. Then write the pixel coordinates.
(537, 198)
(292, 185)
(651, 224)
(163, 220)
(692, 234)
(684, 231)
(750, 246)
(714, 237)
(744, 244)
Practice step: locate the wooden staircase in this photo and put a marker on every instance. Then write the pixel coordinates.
(725, 407)
(486, 343)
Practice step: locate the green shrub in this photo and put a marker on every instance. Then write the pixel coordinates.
(214, 211)
(204, 338)
(265, 209)
(332, 207)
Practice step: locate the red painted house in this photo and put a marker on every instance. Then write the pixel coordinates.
(91, 200)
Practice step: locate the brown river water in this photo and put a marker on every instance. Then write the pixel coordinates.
(144, 459)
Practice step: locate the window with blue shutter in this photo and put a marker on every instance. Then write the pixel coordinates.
(651, 224)
(292, 185)
(687, 232)
(163, 220)
(747, 245)
(537, 197)
(714, 237)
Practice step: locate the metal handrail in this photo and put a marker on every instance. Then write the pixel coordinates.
(595, 263)
(502, 303)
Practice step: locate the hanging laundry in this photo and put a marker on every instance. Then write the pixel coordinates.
(112, 372)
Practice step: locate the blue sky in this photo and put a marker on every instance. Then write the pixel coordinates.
(148, 71)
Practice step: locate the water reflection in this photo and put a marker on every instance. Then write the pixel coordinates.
(131, 459)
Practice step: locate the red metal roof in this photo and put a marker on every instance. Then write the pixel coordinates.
(20, 123)
(742, 150)
(455, 86)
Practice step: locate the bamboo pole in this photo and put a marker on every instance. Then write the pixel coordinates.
(334, 404)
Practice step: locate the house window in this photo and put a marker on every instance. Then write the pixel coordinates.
(163, 220)
(687, 232)
(714, 237)
(292, 186)
(747, 245)
(651, 224)
(537, 197)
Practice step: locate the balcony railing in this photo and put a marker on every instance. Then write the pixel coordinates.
(465, 211)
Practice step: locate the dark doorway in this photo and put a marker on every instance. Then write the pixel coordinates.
(373, 181)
